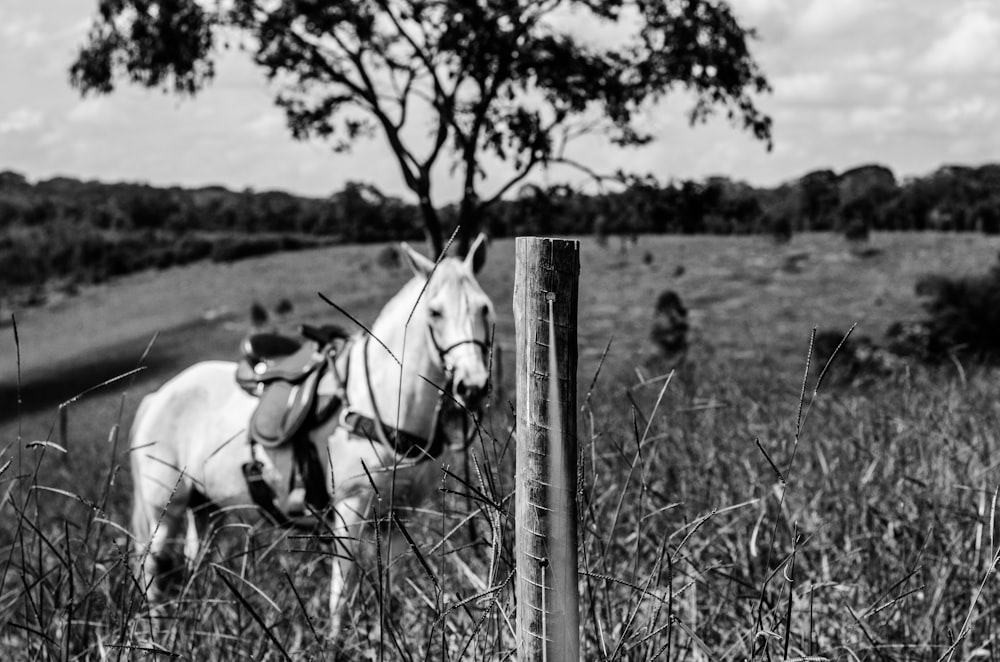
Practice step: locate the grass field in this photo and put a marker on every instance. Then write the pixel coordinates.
(715, 526)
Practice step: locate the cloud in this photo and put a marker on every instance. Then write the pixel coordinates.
(267, 124)
(94, 111)
(770, 17)
(908, 83)
(21, 121)
(969, 45)
(805, 87)
(75, 30)
(823, 17)
(756, 9)
(874, 118)
(884, 81)
(958, 113)
(21, 32)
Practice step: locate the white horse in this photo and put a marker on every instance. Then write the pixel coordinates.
(189, 440)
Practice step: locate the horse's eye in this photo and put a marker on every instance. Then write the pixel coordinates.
(436, 313)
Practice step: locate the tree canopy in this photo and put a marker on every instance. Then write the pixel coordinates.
(497, 79)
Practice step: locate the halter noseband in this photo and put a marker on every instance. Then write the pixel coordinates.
(443, 351)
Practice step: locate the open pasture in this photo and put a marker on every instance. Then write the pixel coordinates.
(869, 535)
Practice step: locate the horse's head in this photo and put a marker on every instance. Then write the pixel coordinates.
(458, 317)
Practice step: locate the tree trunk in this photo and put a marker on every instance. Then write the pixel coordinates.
(468, 221)
(432, 225)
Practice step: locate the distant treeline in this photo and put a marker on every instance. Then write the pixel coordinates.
(89, 231)
(953, 198)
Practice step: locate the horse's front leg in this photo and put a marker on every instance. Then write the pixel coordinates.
(348, 520)
(201, 517)
(158, 530)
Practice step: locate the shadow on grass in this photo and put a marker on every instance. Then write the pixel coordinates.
(175, 348)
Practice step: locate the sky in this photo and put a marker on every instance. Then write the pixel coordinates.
(911, 84)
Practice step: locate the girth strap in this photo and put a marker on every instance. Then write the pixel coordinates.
(262, 493)
(307, 475)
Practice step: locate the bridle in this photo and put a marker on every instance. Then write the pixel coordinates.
(484, 349)
(376, 428)
(449, 373)
(483, 345)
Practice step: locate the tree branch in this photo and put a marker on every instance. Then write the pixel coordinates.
(404, 156)
(444, 102)
(366, 91)
(519, 177)
(404, 95)
(598, 177)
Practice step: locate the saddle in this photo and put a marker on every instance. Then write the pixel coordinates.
(283, 372)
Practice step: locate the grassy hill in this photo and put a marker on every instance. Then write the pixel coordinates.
(59, 234)
(873, 546)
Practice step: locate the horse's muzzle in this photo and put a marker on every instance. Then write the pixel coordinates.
(470, 392)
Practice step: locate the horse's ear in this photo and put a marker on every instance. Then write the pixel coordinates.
(421, 265)
(476, 256)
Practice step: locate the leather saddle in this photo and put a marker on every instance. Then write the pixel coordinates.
(283, 373)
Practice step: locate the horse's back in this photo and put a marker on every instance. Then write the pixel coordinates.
(192, 416)
(202, 387)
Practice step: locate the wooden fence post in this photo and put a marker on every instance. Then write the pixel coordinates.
(546, 285)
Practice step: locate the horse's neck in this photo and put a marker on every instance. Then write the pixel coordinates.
(403, 398)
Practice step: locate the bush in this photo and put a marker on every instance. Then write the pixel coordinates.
(163, 258)
(17, 267)
(913, 339)
(239, 247)
(191, 249)
(670, 323)
(31, 256)
(601, 231)
(964, 314)
(987, 215)
(258, 314)
(781, 229)
(859, 357)
(856, 230)
(388, 258)
(293, 243)
(963, 317)
(792, 264)
(231, 249)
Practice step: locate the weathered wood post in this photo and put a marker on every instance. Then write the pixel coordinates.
(546, 285)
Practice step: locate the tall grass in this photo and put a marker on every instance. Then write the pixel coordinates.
(726, 512)
(718, 521)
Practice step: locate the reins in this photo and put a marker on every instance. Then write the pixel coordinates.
(400, 440)
(403, 442)
(432, 445)
(379, 425)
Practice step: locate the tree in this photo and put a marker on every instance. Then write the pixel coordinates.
(819, 198)
(498, 78)
(359, 207)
